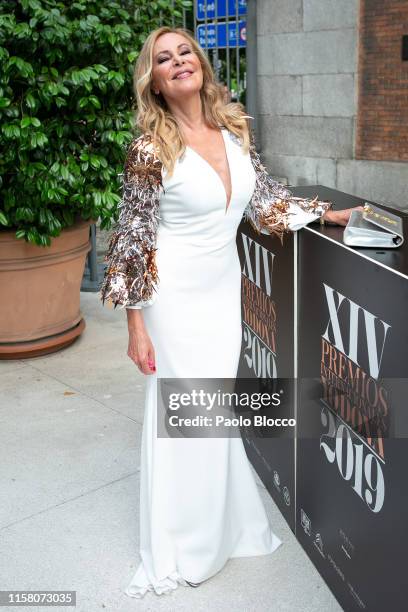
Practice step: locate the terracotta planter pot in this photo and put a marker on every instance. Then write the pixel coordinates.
(40, 292)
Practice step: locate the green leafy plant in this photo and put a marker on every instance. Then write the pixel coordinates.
(66, 107)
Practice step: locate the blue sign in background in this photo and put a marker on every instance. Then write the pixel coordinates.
(222, 6)
(211, 42)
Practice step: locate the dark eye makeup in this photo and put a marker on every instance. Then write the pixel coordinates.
(164, 59)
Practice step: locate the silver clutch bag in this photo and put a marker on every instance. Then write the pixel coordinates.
(373, 227)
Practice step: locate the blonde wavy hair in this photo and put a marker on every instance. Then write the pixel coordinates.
(153, 116)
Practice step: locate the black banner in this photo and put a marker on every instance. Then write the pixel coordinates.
(267, 291)
(352, 446)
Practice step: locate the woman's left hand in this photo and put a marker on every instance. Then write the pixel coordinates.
(340, 217)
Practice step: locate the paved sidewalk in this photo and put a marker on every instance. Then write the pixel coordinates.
(71, 424)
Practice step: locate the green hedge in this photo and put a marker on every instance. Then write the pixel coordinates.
(66, 107)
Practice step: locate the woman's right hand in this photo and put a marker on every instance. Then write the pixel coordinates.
(140, 348)
(340, 217)
(141, 351)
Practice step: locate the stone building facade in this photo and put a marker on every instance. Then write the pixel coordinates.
(332, 94)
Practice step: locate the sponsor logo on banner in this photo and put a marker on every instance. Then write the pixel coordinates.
(347, 546)
(276, 480)
(318, 542)
(305, 522)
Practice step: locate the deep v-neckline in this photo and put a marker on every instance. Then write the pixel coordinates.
(227, 200)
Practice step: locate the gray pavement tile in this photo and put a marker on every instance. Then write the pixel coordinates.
(57, 443)
(10, 365)
(90, 543)
(95, 371)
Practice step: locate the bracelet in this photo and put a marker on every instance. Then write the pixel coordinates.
(323, 221)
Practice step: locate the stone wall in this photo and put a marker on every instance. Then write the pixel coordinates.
(308, 99)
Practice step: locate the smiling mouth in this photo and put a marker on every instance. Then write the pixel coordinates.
(183, 75)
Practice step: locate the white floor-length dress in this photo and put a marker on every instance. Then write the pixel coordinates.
(199, 502)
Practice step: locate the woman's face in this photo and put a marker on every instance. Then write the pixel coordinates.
(176, 71)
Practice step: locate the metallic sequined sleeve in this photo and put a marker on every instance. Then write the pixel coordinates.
(131, 276)
(274, 208)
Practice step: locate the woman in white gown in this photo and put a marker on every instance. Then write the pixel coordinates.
(173, 264)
